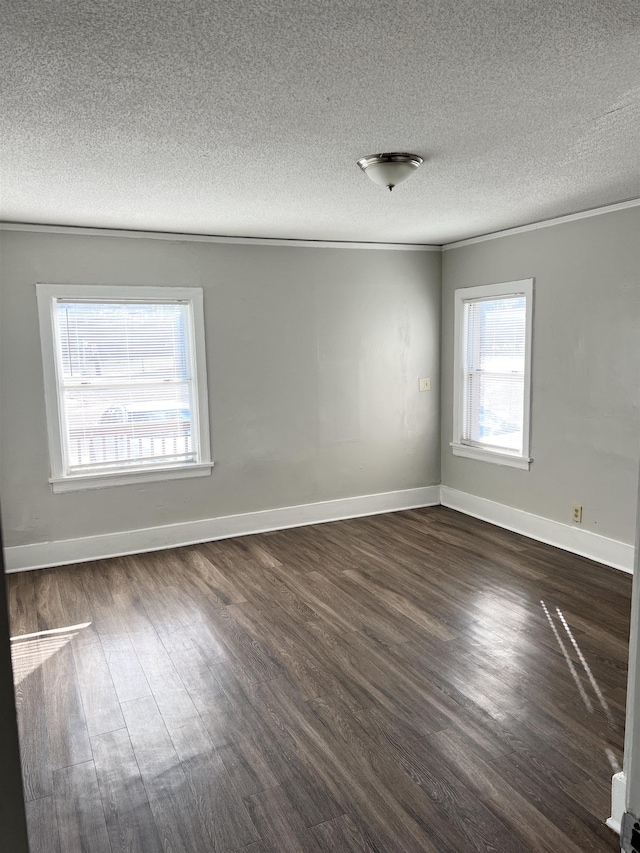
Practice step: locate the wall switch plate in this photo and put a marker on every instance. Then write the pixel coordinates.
(424, 384)
(577, 514)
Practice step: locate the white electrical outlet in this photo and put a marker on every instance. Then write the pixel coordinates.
(577, 514)
(424, 384)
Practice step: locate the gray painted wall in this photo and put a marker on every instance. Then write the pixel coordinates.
(632, 725)
(586, 366)
(313, 364)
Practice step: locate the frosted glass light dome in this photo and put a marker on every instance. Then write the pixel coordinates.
(390, 169)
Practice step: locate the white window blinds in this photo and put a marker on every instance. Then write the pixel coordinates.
(126, 390)
(494, 352)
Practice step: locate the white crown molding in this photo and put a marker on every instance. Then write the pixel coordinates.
(46, 554)
(312, 244)
(211, 238)
(544, 223)
(610, 552)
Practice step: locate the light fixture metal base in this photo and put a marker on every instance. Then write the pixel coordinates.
(390, 168)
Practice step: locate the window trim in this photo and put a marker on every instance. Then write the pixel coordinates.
(485, 453)
(47, 294)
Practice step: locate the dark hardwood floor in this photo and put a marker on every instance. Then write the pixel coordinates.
(419, 681)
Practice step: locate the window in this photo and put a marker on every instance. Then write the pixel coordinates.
(125, 384)
(492, 387)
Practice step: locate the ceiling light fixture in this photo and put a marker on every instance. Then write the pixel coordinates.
(389, 170)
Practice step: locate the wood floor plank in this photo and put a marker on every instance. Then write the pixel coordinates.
(585, 749)
(81, 822)
(257, 847)
(532, 782)
(127, 676)
(158, 668)
(262, 587)
(450, 810)
(221, 587)
(310, 678)
(279, 824)
(346, 614)
(221, 809)
(172, 804)
(144, 602)
(97, 692)
(27, 653)
(201, 629)
(237, 745)
(463, 808)
(350, 773)
(341, 835)
(21, 601)
(390, 684)
(257, 549)
(74, 606)
(129, 818)
(193, 670)
(404, 606)
(297, 777)
(63, 709)
(42, 826)
(516, 810)
(219, 637)
(593, 795)
(316, 666)
(50, 608)
(105, 614)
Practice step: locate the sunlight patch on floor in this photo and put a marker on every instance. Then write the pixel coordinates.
(29, 651)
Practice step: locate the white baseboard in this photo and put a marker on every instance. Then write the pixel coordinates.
(56, 553)
(618, 801)
(611, 552)
(46, 554)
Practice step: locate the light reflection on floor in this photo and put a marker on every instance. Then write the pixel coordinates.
(615, 766)
(568, 661)
(613, 761)
(501, 628)
(29, 651)
(587, 669)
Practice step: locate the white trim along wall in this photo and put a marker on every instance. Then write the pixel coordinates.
(214, 238)
(329, 244)
(544, 223)
(40, 555)
(610, 552)
(46, 554)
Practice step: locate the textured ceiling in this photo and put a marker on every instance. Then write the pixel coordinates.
(247, 118)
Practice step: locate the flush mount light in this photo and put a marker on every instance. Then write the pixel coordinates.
(389, 170)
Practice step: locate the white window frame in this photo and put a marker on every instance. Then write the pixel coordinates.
(47, 296)
(460, 446)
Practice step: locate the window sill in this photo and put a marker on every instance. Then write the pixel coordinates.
(495, 456)
(80, 482)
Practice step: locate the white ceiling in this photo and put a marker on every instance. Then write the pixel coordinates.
(247, 118)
